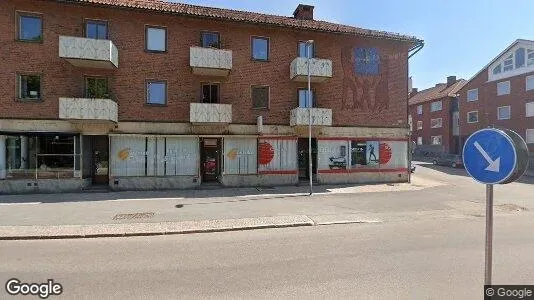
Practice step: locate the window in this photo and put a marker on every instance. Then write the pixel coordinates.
(410, 122)
(260, 48)
(436, 123)
(304, 100)
(436, 140)
(519, 58)
(96, 87)
(260, 97)
(503, 88)
(30, 87)
(530, 109)
(419, 140)
(530, 136)
(529, 84)
(156, 39)
(210, 40)
(419, 109)
(503, 113)
(472, 117)
(156, 92)
(303, 48)
(436, 106)
(497, 69)
(30, 28)
(508, 63)
(96, 30)
(530, 57)
(210, 93)
(472, 95)
(419, 125)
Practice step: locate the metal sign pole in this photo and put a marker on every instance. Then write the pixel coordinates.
(489, 232)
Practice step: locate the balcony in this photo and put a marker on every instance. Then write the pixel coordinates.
(89, 53)
(88, 109)
(320, 69)
(210, 61)
(320, 117)
(210, 113)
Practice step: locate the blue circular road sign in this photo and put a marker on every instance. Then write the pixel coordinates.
(490, 156)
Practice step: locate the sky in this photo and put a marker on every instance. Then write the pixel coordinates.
(461, 36)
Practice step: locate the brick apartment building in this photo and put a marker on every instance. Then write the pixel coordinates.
(152, 95)
(433, 117)
(501, 95)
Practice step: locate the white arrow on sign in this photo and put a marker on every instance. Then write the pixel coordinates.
(494, 165)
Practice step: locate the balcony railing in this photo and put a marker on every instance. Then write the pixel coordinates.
(89, 53)
(320, 116)
(320, 69)
(210, 113)
(88, 109)
(210, 61)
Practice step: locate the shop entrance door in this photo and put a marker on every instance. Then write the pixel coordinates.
(303, 158)
(100, 159)
(210, 159)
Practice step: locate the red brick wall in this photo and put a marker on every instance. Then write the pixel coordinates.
(126, 30)
(427, 132)
(488, 101)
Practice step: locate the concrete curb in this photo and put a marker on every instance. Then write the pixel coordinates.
(146, 229)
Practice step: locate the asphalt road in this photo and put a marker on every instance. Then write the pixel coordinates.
(426, 259)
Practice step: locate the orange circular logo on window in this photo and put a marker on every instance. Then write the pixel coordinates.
(124, 153)
(266, 153)
(232, 154)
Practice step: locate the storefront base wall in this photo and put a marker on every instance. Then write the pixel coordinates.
(375, 177)
(259, 180)
(43, 186)
(153, 183)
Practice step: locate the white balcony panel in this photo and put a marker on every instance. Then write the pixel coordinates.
(89, 53)
(320, 117)
(88, 109)
(210, 61)
(210, 113)
(320, 69)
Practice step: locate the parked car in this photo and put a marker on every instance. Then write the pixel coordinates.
(451, 160)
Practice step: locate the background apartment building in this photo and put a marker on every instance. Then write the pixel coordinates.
(433, 118)
(153, 95)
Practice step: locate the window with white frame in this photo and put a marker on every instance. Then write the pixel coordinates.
(472, 116)
(530, 57)
(529, 109)
(530, 136)
(419, 125)
(472, 95)
(503, 113)
(436, 106)
(529, 83)
(419, 140)
(508, 63)
(503, 88)
(419, 109)
(436, 140)
(410, 122)
(520, 58)
(436, 123)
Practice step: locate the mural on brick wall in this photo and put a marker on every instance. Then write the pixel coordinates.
(365, 79)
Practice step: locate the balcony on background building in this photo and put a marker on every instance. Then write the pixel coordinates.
(320, 69)
(210, 61)
(210, 113)
(89, 53)
(88, 109)
(320, 117)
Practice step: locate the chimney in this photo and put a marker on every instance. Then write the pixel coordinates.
(303, 12)
(451, 80)
(414, 91)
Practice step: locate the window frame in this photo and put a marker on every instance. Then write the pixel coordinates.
(509, 112)
(436, 136)
(313, 49)
(268, 96)
(419, 138)
(86, 85)
(18, 20)
(268, 39)
(526, 136)
(469, 112)
(509, 87)
(531, 77)
(440, 106)
(314, 100)
(440, 123)
(19, 87)
(419, 123)
(219, 46)
(419, 109)
(218, 84)
(166, 38)
(526, 109)
(147, 81)
(467, 95)
(98, 21)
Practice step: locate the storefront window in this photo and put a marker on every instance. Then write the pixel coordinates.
(42, 156)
